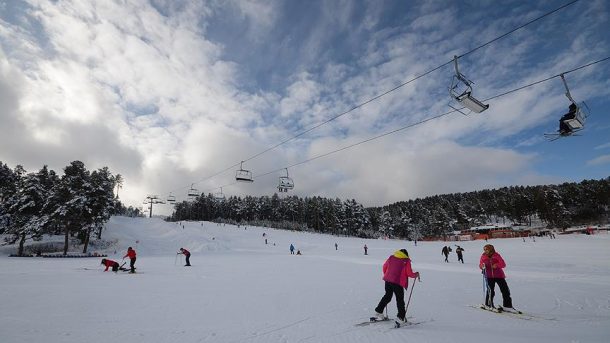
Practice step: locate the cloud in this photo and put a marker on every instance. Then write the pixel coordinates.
(603, 159)
(602, 146)
(171, 94)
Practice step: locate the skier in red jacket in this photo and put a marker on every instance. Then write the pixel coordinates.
(187, 255)
(396, 273)
(132, 259)
(110, 263)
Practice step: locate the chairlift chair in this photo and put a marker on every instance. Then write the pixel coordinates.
(193, 192)
(219, 196)
(243, 175)
(171, 198)
(574, 120)
(461, 91)
(285, 183)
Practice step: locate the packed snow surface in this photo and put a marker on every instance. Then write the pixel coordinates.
(240, 289)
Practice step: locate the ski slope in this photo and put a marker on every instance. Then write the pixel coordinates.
(240, 289)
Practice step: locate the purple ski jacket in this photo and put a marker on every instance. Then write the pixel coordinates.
(397, 269)
(488, 262)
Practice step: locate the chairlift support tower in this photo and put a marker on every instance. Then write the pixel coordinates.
(150, 201)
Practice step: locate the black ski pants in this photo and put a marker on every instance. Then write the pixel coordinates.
(489, 298)
(391, 289)
(188, 263)
(132, 264)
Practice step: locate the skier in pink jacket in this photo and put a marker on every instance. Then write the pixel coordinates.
(491, 263)
(396, 271)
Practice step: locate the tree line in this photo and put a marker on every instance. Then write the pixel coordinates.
(75, 204)
(556, 206)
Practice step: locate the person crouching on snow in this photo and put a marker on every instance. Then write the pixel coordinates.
(187, 256)
(110, 263)
(396, 273)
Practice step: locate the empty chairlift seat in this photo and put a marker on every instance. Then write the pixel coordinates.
(243, 175)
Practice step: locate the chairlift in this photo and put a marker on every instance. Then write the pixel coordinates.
(574, 120)
(219, 196)
(193, 192)
(171, 198)
(285, 183)
(461, 91)
(243, 175)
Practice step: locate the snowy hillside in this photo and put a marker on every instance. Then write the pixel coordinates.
(240, 289)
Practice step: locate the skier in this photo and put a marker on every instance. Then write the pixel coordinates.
(564, 128)
(336, 246)
(396, 273)
(366, 250)
(298, 252)
(491, 264)
(291, 249)
(187, 255)
(445, 252)
(132, 259)
(110, 263)
(459, 250)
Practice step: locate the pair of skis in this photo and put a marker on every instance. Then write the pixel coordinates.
(397, 324)
(511, 312)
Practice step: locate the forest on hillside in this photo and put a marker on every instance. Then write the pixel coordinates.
(76, 204)
(557, 206)
(79, 202)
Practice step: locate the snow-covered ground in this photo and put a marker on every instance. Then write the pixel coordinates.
(241, 290)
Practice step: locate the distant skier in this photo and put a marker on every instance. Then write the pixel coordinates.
(336, 246)
(187, 255)
(491, 263)
(110, 263)
(366, 250)
(445, 252)
(298, 252)
(459, 250)
(396, 273)
(132, 259)
(291, 249)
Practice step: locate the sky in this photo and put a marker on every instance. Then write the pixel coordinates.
(239, 289)
(175, 94)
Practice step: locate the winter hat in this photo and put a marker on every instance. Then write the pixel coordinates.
(404, 251)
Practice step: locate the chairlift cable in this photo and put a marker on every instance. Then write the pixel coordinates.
(409, 81)
(548, 78)
(518, 28)
(428, 119)
(419, 122)
(386, 93)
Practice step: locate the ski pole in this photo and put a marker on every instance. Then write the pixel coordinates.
(486, 288)
(409, 301)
